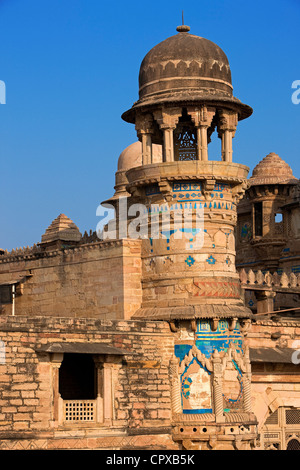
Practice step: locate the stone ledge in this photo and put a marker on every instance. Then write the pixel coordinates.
(193, 312)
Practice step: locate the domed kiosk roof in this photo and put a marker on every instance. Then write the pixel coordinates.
(272, 170)
(185, 67)
(185, 56)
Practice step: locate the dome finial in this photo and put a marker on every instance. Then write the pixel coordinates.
(183, 28)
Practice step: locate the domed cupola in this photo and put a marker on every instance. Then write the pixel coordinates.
(185, 95)
(272, 170)
(182, 64)
(185, 67)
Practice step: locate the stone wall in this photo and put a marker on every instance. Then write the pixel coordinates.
(99, 280)
(141, 404)
(275, 385)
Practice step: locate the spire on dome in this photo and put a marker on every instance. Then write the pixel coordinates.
(183, 28)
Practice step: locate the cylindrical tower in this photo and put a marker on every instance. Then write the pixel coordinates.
(189, 275)
(185, 95)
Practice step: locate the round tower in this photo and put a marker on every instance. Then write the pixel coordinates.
(188, 256)
(185, 94)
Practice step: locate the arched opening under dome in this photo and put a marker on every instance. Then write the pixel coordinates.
(185, 138)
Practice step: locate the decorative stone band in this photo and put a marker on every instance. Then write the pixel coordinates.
(218, 289)
(217, 80)
(165, 84)
(232, 417)
(36, 252)
(233, 173)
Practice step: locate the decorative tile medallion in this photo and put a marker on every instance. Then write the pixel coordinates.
(190, 261)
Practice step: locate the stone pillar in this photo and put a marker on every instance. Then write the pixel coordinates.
(147, 148)
(107, 377)
(202, 143)
(56, 360)
(99, 388)
(175, 387)
(168, 144)
(227, 149)
(144, 128)
(217, 387)
(226, 130)
(107, 393)
(247, 383)
(202, 118)
(265, 301)
(167, 120)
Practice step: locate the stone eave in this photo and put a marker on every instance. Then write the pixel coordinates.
(79, 348)
(271, 355)
(185, 99)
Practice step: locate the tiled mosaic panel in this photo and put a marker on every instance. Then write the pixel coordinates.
(196, 387)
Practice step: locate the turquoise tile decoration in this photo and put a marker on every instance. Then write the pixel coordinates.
(208, 341)
(190, 261)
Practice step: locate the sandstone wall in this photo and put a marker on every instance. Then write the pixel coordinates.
(96, 280)
(141, 403)
(275, 384)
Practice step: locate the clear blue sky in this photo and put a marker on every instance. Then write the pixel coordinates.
(71, 69)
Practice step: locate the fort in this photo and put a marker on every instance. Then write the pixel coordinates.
(163, 343)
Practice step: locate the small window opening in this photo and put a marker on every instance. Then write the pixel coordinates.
(185, 139)
(258, 219)
(213, 139)
(278, 218)
(293, 444)
(77, 377)
(6, 294)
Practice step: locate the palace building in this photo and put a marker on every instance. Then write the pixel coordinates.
(185, 338)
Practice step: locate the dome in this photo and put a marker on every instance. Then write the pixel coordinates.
(62, 228)
(131, 157)
(188, 68)
(272, 170)
(186, 62)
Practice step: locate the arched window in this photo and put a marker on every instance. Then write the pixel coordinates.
(258, 219)
(185, 139)
(293, 444)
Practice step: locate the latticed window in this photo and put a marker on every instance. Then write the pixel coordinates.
(83, 376)
(80, 410)
(292, 416)
(185, 139)
(282, 430)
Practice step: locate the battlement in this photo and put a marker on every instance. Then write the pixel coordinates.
(264, 280)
